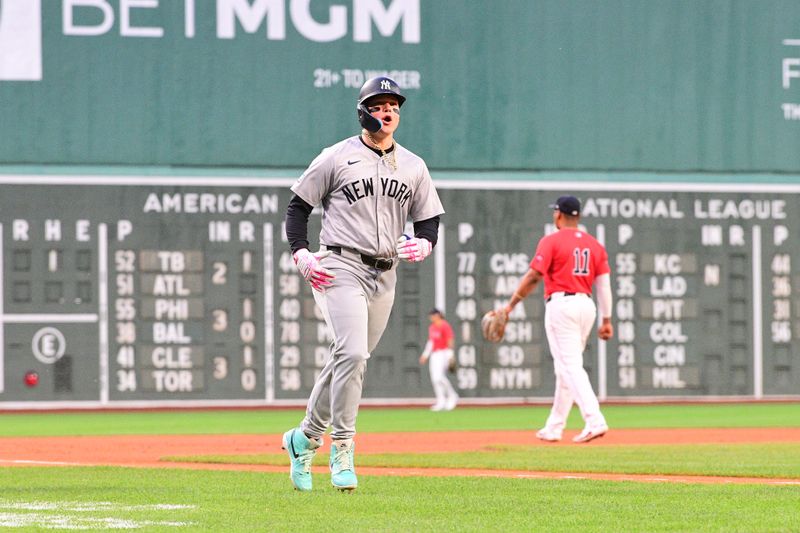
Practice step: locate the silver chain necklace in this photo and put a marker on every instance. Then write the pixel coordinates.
(389, 158)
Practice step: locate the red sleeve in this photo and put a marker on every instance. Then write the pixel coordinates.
(601, 264)
(543, 256)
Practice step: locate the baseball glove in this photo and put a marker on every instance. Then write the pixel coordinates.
(493, 325)
(451, 365)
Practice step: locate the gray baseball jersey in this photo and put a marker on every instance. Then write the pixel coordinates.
(366, 203)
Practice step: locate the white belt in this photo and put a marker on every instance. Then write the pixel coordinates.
(563, 294)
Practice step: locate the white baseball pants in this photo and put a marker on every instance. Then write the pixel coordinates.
(437, 366)
(568, 320)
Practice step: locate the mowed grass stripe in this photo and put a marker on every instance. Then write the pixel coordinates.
(247, 501)
(378, 420)
(770, 460)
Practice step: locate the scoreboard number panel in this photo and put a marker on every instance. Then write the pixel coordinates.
(129, 291)
(702, 282)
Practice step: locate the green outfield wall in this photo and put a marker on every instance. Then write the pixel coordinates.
(136, 291)
(679, 85)
(147, 148)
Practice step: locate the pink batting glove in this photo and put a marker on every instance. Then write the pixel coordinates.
(310, 268)
(413, 249)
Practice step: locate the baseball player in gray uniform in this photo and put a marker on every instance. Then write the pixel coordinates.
(368, 187)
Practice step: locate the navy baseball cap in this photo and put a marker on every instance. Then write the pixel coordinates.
(568, 205)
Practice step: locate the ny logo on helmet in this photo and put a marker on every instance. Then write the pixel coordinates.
(385, 84)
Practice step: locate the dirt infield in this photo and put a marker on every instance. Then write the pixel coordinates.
(146, 451)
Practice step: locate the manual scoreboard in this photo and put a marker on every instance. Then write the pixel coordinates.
(127, 291)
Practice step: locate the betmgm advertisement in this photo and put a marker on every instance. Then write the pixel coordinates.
(21, 24)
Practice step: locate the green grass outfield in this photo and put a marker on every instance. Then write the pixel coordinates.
(34, 498)
(392, 419)
(773, 460)
(183, 500)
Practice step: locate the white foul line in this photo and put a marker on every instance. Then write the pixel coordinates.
(33, 462)
(791, 42)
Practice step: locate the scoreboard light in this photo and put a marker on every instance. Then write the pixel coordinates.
(31, 378)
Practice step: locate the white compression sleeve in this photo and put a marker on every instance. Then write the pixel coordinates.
(428, 348)
(604, 298)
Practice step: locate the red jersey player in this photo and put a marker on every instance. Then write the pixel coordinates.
(571, 262)
(439, 349)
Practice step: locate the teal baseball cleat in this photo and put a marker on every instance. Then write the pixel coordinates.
(343, 470)
(301, 452)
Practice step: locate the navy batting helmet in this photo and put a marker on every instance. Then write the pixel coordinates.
(374, 87)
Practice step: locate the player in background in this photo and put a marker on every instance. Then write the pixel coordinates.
(571, 262)
(368, 187)
(439, 355)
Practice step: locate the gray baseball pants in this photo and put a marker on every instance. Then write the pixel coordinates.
(356, 309)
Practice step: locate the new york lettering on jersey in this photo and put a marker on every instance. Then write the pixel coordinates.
(389, 187)
(367, 202)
